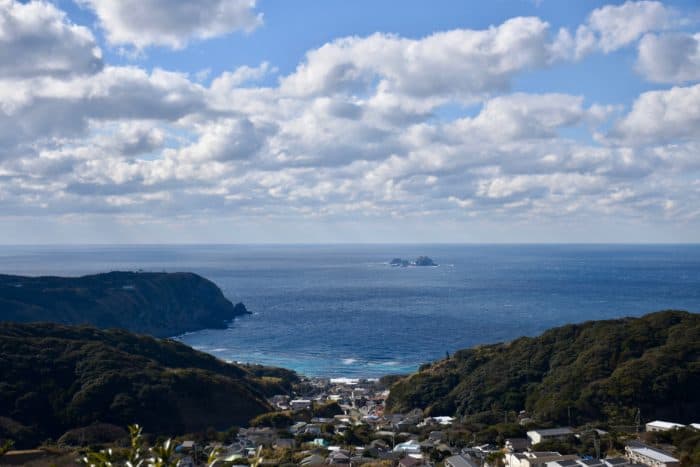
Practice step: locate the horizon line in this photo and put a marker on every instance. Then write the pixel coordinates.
(524, 243)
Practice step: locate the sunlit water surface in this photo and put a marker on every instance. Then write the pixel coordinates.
(343, 311)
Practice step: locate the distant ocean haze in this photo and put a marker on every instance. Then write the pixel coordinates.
(342, 310)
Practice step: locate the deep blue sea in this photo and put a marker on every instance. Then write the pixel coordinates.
(341, 310)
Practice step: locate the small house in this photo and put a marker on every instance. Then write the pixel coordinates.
(647, 455)
(516, 444)
(300, 404)
(461, 461)
(409, 447)
(658, 425)
(538, 436)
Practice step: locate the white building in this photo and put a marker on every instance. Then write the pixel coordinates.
(658, 425)
(538, 459)
(537, 436)
(300, 404)
(643, 454)
(409, 447)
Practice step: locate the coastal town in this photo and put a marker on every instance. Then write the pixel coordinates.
(343, 422)
(361, 433)
(380, 233)
(469, 409)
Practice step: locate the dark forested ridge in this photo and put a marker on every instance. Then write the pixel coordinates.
(55, 378)
(598, 370)
(160, 304)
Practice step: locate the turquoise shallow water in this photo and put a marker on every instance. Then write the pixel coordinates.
(342, 311)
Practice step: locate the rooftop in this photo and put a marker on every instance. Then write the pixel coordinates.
(553, 431)
(651, 453)
(460, 461)
(665, 425)
(616, 461)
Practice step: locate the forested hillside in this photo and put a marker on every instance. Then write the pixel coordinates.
(599, 370)
(55, 378)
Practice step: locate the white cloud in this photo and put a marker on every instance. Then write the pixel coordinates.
(660, 117)
(172, 23)
(612, 27)
(459, 63)
(555, 183)
(378, 127)
(36, 39)
(225, 139)
(524, 116)
(230, 80)
(670, 58)
(40, 109)
(135, 137)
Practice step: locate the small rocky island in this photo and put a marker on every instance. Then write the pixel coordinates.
(160, 304)
(420, 261)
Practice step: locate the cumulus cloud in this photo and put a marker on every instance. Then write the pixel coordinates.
(230, 80)
(459, 63)
(225, 139)
(36, 39)
(172, 23)
(612, 27)
(670, 58)
(661, 117)
(376, 127)
(135, 137)
(555, 183)
(43, 108)
(525, 116)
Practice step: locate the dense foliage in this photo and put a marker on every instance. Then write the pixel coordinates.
(595, 371)
(55, 378)
(160, 304)
(284, 419)
(139, 455)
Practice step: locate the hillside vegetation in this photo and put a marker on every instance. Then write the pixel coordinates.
(595, 371)
(160, 304)
(55, 378)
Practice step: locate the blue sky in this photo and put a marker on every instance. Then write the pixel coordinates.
(290, 29)
(274, 121)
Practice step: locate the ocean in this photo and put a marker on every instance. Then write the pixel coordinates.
(342, 310)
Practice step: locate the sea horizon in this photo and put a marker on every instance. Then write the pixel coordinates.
(379, 243)
(339, 310)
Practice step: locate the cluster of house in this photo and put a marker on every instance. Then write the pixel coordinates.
(517, 452)
(394, 439)
(362, 404)
(637, 454)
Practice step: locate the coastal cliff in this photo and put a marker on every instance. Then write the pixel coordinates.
(159, 304)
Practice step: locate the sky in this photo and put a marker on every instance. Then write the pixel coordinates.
(243, 121)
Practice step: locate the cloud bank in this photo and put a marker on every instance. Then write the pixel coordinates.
(374, 129)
